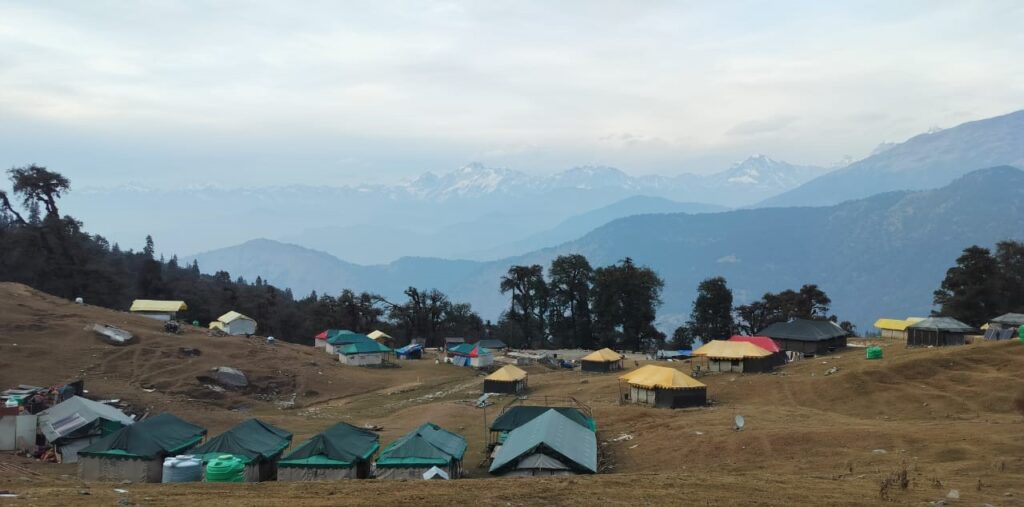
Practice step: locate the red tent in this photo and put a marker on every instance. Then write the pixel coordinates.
(761, 341)
(321, 336)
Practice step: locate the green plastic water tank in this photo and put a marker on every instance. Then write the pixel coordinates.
(874, 352)
(1020, 333)
(226, 468)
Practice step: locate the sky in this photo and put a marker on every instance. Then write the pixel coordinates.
(268, 93)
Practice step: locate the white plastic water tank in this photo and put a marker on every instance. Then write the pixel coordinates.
(183, 468)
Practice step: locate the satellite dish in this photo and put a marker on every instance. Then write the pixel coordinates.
(739, 422)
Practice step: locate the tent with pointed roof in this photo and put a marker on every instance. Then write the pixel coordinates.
(418, 451)
(255, 443)
(735, 356)
(235, 324)
(136, 452)
(381, 337)
(663, 387)
(602, 361)
(507, 379)
(550, 444)
(469, 354)
(938, 332)
(342, 451)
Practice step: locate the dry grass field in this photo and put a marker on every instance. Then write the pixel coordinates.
(903, 430)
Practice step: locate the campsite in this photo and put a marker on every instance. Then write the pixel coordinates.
(926, 414)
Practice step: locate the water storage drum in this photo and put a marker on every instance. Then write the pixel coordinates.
(183, 469)
(226, 468)
(874, 352)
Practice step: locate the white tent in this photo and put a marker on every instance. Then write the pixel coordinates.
(435, 473)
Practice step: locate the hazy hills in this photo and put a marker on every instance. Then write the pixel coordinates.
(880, 255)
(464, 213)
(925, 161)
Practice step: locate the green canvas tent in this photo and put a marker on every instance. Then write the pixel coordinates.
(363, 353)
(418, 451)
(516, 416)
(136, 452)
(342, 451)
(256, 443)
(550, 444)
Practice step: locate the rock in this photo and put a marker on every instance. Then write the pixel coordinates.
(230, 377)
(879, 451)
(953, 494)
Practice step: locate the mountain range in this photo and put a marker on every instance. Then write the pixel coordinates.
(467, 213)
(929, 160)
(878, 256)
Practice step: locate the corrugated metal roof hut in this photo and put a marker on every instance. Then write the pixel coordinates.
(235, 324)
(938, 332)
(807, 336)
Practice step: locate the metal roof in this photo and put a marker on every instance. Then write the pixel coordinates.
(948, 324)
(804, 330)
(153, 305)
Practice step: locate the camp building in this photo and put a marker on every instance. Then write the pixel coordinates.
(414, 454)
(342, 451)
(156, 309)
(938, 332)
(602, 361)
(235, 324)
(663, 387)
(77, 422)
(410, 351)
(257, 444)
(468, 354)
(136, 452)
(381, 337)
(549, 444)
(518, 415)
(778, 355)
(340, 337)
(735, 357)
(810, 337)
(895, 329)
(1005, 327)
(492, 344)
(362, 353)
(507, 379)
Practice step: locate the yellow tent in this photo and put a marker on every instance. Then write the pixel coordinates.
(217, 325)
(661, 377)
(379, 335)
(720, 349)
(153, 305)
(230, 317)
(602, 356)
(892, 324)
(507, 373)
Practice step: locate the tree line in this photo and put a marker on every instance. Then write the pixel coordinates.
(51, 252)
(983, 284)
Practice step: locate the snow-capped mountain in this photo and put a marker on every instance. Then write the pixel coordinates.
(762, 172)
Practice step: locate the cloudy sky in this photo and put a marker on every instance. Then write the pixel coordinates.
(336, 92)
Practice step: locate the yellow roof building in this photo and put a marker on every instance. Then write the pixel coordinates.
(154, 305)
(719, 349)
(604, 355)
(660, 377)
(507, 373)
